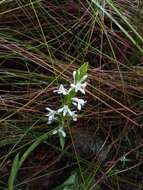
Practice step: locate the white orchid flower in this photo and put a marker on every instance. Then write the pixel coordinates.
(74, 116)
(60, 131)
(65, 109)
(51, 115)
(79, 87)
(78, 102)
(61, 90)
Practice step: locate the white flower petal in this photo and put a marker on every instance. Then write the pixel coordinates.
(60, 110)
(83, 78)
(84, 85)
(49, 109)
(74, 103)
(64, 112)
(49, 122)
(79, 106)
(62, 132)
(82, 91)
(72, 86)
(55, 132)
(74, 74)
(70, 112)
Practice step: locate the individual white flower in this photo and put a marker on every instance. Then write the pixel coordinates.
(60, 131)
(74, 116)
(78, 102)
(51, 115)
(61, 90)
(65, 109)
(79, 86)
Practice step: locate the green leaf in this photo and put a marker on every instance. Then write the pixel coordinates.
(62, 141)
(83, 69)
(81, 72)
(17, 163)
(71, 183)
(14, 170)
(71, 180)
